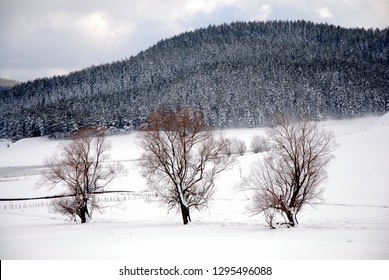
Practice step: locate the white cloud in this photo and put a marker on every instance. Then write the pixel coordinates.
(187, 10)
(265, 12)
(101, 26)
(324, 13)
(200, 6)
(96, 23)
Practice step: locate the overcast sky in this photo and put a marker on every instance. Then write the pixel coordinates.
(42, 38)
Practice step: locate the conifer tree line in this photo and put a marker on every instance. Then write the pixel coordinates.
(237, 75)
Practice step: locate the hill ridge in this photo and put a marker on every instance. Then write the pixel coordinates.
(237, 74)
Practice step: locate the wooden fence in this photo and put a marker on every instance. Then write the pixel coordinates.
(113, 196)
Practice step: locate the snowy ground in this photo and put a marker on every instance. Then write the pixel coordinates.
(353, 223)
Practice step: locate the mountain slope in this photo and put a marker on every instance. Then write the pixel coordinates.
(238, 75)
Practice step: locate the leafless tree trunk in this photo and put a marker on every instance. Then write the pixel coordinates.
(290, 176)
(82, 169)
(181, 159)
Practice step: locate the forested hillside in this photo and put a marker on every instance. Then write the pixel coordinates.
(237, 74)
(5, 84)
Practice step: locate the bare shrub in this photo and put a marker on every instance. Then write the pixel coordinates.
(239, 146)
(259, 144)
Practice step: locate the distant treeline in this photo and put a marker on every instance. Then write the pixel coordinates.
(237, 74)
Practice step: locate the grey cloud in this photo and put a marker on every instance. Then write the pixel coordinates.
(63, 35)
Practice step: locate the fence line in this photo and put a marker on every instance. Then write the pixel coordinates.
(12, 204)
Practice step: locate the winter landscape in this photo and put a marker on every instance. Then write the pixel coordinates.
(228, 138)
(352, 222)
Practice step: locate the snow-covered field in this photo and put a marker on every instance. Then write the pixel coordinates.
(353, 223)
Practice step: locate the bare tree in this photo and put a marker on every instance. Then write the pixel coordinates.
(229, 148)
(259, 144)
(82, 169)
(291, 175)
(181, 159)
(235, 146)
